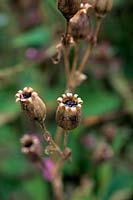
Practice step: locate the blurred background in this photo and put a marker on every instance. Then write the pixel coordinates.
(102, 147)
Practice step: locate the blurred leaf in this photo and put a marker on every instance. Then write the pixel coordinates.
(36, 188)
(8, 185)
(119, 140)
(122, 195)
(97, 100)
(39, 36)
(119, 181)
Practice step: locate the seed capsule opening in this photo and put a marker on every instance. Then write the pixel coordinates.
(70, 103)
(26, 95)
(28, 143)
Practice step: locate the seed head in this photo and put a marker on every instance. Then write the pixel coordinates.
(68, 114)
(80, 25)
(31, 146)
(102, 7)
(68, 7)
(31, 104)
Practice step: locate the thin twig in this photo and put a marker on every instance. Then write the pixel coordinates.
(75, 60)
(58, 135)
(66, 62)
(49, 140)
(65, 138)
(92, 44)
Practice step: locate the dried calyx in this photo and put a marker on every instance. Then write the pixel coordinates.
(68, 114)
(102, 7)
(68, 7)
(31, 104)
(80, 23)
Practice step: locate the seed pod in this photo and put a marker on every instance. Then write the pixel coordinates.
(31, 146)
(103, 152)
(102, 7)
(80, 25)
(68, 114)
(31, 104)
(68, 7)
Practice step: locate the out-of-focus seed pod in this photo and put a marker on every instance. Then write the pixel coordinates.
(31, 104)
(68, 7)
(103, 152)
(102, 7)
(80, 25)
(68, 114)
(32, 147)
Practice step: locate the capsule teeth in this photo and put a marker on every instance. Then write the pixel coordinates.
(20, 92)
(62, 106)
(17, 100)
(81, 5)
(64, 95)
(69, 94)
(75, 95)
(78, 106)
(25, 89)
(17, 95)
(80, 100)
(59, 100)
(34, 94)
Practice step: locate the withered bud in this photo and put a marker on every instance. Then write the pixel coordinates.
(68, 114)
(31, 104)
(102, 153)
(31, 146)
(80, 23)
(78, 78)
(68, 7)
(102, 7)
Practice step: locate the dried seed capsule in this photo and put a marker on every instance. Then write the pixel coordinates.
(103, 152)
(102, 7)
(68, 7)
(68, 114)
(80, 25)
(31, 146)
(31, 104)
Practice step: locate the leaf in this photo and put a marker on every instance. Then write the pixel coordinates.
(36, 188)
(38, 36)
(96, 100)
(119, 181)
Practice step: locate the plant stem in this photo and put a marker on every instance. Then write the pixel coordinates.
(58, 135)
(50, 141)
(75, 60)
(66, 62)
(92, 44)
(65, 138)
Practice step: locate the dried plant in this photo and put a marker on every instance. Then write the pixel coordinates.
(78, 16)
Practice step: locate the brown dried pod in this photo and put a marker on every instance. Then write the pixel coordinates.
(102, 7)
(68, 7)
(68, 114)
(31, 146)
(103, 152)
(31, 104)
(80, 24)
